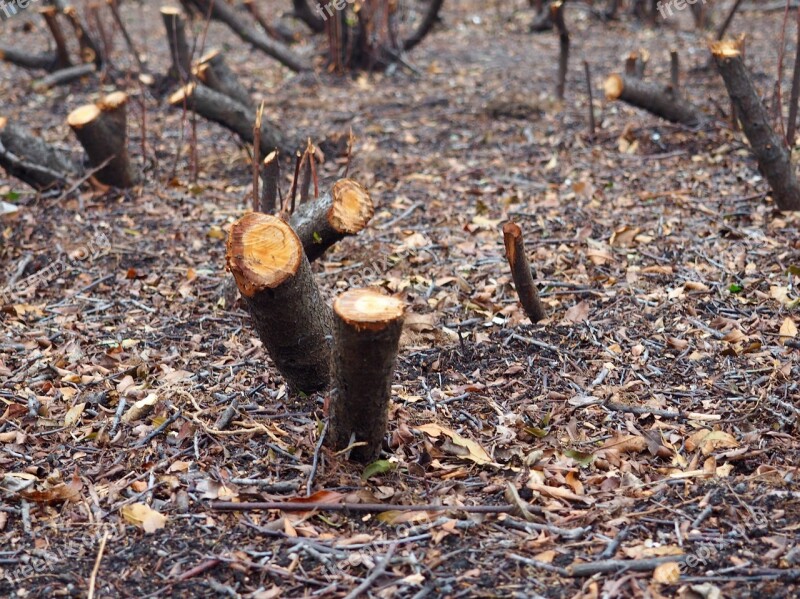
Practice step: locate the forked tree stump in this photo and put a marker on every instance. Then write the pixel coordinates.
(178, 46)
(768, 147)
(31, 159)
(521, 272)
(366, 332)
(344, 210)
(274, 277)
(215, 73)
(50, 15)
(656, 99)
(102, 131)
(232, 115)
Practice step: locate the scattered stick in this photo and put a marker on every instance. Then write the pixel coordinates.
(232, 115)
(521, 272)
(221, 11)
(214, 72)
(31, 159)
(366, 332)
(315, 461)
(660, 101)
(768, 147)
(96, 568)
(619, 565)
(369, 508)
(101, 129)
(376, 573)
(343, 211)
(179, 51)
(557, 15)
(274, 276)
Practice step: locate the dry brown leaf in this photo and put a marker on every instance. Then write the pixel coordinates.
(143, 516)
(577, 313)
(475, 452)
(668, 573)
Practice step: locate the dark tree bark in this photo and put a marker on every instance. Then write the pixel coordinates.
(102, 130)
(232, 115)
(226, 14)
(46, 61)
(426, 26)
(178, 46)
(521, 272)
(303, 12)
(89, 49)
(50, 15)
(215, 73)
(274, 277)
(31, 159)
(769, 148)
(654, 98)
(366, 332)
(557, 14)
(344, 211)
(64, 76)
(270, 190)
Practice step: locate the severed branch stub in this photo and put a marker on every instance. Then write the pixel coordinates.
(274, 277)
(366, 332)
(661, 101)
(768, 147)
(102, 130)
(232, 115)
(178, 46)
(344, 210)
(521, 272)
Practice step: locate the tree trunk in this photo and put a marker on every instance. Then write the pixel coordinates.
(274, 276)
(31, 159)
(232, 115)
(215, 73)
(521, 272)
(225, 13)
(557, 13)
(654, 98)
(366, 332)
(769, 148)
(344, 211)
(178, 46)
(305, 14)
(102, 130)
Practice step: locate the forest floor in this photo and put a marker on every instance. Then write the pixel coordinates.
(652, 415)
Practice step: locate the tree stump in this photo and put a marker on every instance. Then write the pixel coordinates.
(366, 331)
(274, 276)
(178, 46)
(102, 131)
(31, 159)
(521, 272)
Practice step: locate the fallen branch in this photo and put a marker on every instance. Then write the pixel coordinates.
(64, 76)
(232, 115)
(221, 11)
(215, 73)
(661, 101)
(769, 148)
(31, 159)
(369, 508)
(274, 277)
(343, 211)
(47, 61)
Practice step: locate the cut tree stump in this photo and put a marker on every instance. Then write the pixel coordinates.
(89, 50)
(50, 15)
(31, 159)
(274, 277)
(366, 332)
(102, 131)
(178, 46)
(215, 73)
(656, 99)
(221, 11)
(270, 176)
(232, 115)
(343, 211)
(769, 148)
(521, 272)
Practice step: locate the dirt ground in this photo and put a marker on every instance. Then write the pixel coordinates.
(652, 415)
